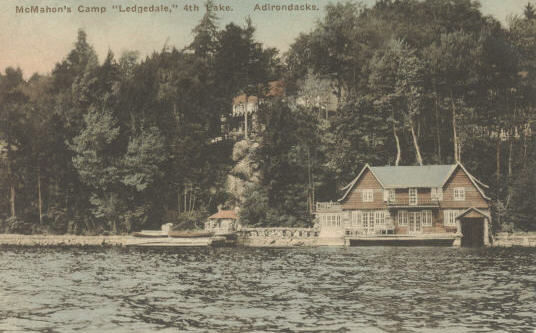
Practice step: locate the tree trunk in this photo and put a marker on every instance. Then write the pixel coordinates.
(310, 202)
(11, 181)
(176, 114)
(246, 118)
(498, 165)
(185, 207)
(454, 133)
(398, 151)
(438, 131)
(12, 199)
(40, 199)
(510, 156)
(178, 202)
(416, 144)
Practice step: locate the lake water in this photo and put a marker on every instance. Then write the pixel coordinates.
(361, 289)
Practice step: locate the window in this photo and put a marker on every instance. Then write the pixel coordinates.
(449, 216)
(402, 218)
(459, 194)
(427, 218)
(392, 195)
(330, 220)
(356, 218)
(379, 218)
(412, 196)
(437, 193)
(367, 195)
(367, 219)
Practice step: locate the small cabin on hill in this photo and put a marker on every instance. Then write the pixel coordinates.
(223, 222)
(421, 201)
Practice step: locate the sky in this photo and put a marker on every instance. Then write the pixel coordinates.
(36, 42)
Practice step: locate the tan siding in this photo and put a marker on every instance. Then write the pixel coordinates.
(402, 195)
(354, 200)
(473, 198)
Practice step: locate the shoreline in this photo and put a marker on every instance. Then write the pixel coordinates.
(516, 239)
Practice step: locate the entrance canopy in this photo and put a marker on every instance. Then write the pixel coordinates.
(473, 224)
(473, 213)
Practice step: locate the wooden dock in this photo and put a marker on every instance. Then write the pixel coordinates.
(440, 239)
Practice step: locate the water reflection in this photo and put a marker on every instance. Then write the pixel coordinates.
(305, 289)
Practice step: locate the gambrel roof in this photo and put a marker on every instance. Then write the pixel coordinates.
(413, 176)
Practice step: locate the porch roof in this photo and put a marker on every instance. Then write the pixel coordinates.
(473, 212)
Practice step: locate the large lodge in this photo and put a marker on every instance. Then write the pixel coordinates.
(429, 205)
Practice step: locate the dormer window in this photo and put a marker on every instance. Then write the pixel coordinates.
(413, 196)
(459, 194)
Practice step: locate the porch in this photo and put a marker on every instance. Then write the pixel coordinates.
(428, 239)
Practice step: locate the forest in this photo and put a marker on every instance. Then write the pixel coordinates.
(116, 145)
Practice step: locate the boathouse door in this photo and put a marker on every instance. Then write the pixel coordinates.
(472, 231)
(473, 225)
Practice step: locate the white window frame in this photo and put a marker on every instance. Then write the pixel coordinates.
(459, 194)
(426, 218)
(402, 218)
(367, 195)
(366, 219)
(392, 195)
(356, 218)
(379, 218)
(413, 196)
(449, 217)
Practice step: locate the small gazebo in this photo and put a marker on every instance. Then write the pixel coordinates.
(224, 221)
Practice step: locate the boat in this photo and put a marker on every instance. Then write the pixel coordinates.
(190, 234)
(149, 234)
(169, 241)
(168, 237)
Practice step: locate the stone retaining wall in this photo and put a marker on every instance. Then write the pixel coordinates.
(275, 237)
(61, 240)
(515, 239)
(278, 237)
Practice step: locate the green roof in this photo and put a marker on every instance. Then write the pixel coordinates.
(413, 176)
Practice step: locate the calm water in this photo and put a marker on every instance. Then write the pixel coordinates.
(374, 289)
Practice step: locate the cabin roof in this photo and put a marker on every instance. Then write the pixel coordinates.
(224, 214)
(413, 176)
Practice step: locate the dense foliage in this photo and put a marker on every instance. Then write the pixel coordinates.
(128, 144)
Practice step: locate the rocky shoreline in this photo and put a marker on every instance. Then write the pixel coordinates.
(522, 239)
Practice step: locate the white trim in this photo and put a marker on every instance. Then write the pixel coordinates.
(367, 195)
(472, 179)
(410, 197)
(459, 193)
(475, 209)
(350, 185)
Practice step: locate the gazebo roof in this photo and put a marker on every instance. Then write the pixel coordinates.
(224, 214)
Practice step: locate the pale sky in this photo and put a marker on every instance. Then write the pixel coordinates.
(35, 42)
